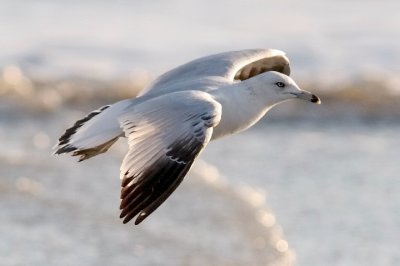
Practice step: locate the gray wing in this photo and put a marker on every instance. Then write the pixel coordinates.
(165, 135)
(229, 66)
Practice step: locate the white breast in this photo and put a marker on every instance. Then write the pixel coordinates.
(241, 109)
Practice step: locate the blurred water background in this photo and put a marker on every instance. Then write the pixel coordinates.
(309, 185)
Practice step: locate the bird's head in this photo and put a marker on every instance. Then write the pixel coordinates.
(278, 87)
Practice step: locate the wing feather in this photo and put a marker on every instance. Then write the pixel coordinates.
(227, 67)
(165, 135)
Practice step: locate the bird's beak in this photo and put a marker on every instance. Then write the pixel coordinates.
(307, 96)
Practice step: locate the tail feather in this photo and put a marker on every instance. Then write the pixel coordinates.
(89, 153)
(93, 134)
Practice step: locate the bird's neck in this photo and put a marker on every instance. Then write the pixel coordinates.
(241, 108)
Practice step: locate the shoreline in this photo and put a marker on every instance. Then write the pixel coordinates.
(364, 100)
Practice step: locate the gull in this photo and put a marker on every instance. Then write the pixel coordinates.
(172, 120)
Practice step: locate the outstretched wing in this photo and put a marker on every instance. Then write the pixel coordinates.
(230, 66)
(165, 136)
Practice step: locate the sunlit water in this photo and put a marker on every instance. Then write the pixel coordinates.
(333, 188)
(56, 211)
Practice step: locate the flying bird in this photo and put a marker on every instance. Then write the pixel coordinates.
(172, 120)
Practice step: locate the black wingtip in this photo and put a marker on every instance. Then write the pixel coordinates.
(140, 218)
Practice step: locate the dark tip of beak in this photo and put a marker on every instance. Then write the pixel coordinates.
(315, 99)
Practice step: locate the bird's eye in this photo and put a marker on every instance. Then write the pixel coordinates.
(280, 84)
